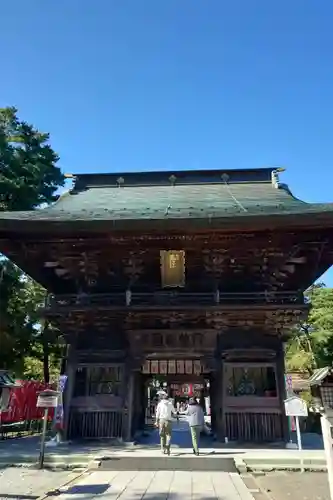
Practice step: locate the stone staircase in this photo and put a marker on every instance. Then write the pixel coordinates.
(173, 463)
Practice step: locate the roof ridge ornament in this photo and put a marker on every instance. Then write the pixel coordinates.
(275, 177)
(120, 181)
(225, 177)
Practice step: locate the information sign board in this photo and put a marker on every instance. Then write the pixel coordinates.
(47, 401)
(295, 407)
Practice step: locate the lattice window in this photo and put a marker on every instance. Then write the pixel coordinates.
(327, 395)
(80, 387)
(251, 381)
(173, 268)
(105, 380)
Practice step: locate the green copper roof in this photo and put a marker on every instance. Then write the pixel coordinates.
(167, 195)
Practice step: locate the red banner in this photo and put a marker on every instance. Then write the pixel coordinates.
(22, 403)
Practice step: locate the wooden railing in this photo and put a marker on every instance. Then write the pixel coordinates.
(254, 427)
(107, 424)
(170, 298)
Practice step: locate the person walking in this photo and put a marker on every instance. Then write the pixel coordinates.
(164, 412)
(196, 421)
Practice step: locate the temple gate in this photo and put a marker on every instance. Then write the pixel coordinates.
(197, 273)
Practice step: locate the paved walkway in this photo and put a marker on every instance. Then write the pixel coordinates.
(29, 484)
(181, 437)
(166, 485)
(281, 485)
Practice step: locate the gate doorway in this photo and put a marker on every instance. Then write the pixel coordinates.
(180, 379)
(180, 389)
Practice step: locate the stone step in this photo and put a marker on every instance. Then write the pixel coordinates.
(204, 463)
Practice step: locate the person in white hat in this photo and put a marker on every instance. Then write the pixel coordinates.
(164, 412)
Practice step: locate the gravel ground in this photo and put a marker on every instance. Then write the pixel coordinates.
(28, 484)
(294, 485)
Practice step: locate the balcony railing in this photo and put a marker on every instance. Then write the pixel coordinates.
(170, 298)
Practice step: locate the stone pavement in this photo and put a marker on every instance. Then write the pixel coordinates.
(26, 450)
(158, 485)
(23, 483)
(283, 485)
(181, 437)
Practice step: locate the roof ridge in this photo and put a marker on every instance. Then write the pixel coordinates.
(184, 177)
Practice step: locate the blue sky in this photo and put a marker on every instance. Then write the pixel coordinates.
(170, 84)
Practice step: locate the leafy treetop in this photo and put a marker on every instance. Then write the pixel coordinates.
(29, 176)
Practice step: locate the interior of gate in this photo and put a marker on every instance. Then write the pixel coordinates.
(181, 379)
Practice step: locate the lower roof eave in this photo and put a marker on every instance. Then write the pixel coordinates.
(237, 222)
(61, 311)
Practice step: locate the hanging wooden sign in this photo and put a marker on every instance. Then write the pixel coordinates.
(163, 365)
(196, 367)
(188, 367)
(180, 366)
(146, 367)
(154, 367)
(171, 366)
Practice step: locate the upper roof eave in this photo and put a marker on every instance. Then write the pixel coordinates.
(10, 223)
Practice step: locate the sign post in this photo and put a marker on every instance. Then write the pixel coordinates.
(46, 399)
(297, 407)
(289, 393)
(326, 425)
(59, 411)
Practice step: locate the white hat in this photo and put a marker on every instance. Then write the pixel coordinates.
(162, 394)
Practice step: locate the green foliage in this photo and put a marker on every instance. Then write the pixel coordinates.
(311, 345)
(29, 176)
(321, 320)
(33, 368)
(298, 359)
(27, 341)
(15, 332)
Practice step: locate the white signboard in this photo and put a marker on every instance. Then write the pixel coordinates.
(47, 401)
(295, 407)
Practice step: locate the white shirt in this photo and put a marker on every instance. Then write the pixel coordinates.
(164, 410)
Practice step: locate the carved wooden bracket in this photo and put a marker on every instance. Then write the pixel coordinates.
(133, 266)
(216, 320)
(283, 320)
(214, 261)
(210, 364)
(135, 362)
(177, 340)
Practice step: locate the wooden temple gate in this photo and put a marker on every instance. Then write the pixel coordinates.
(204, 268)
(245, 374)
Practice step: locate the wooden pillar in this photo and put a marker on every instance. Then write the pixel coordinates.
(143, 401)
(212, 395)
(281, 387)
(69, 390)
(138, 403)
(219, 409)
(129, 405)
(132, 367)
(214, 366)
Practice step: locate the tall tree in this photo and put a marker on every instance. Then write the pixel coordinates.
(29, 177)
(46, 342)
(321, 321)
(311, 345)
